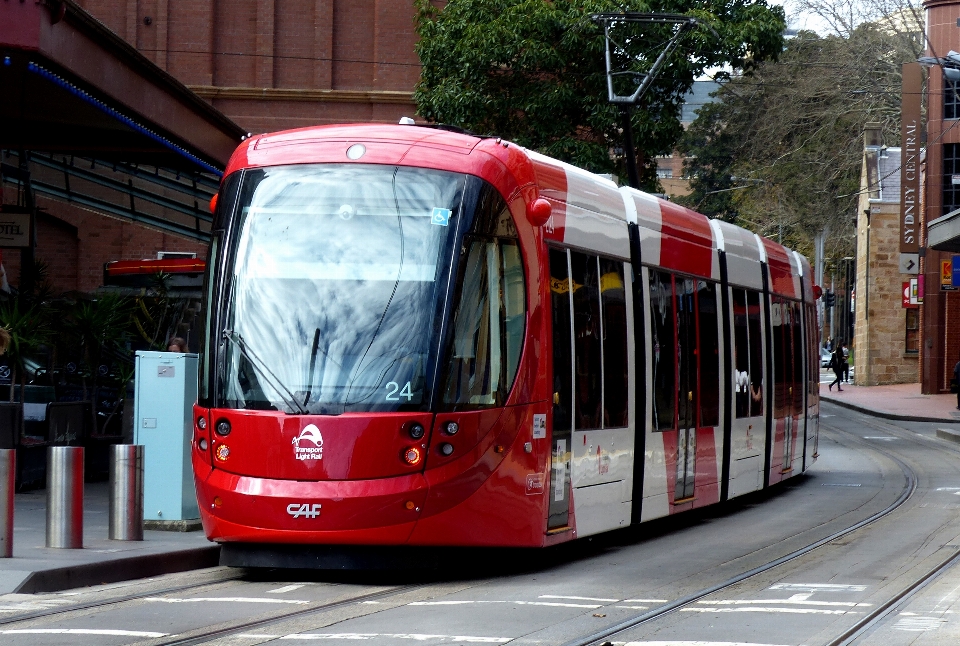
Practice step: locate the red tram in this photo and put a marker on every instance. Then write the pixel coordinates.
(420, 337)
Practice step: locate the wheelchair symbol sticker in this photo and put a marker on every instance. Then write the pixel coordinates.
(440, 217)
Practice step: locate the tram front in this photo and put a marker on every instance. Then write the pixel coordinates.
(364, 322)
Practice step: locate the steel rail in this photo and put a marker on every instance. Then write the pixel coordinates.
(40, 614)
(601, 636)
(204, 636)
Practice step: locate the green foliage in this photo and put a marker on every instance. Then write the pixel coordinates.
(533, 71)
(787, 136)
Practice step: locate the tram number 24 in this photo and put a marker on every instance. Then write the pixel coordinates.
(395, 392)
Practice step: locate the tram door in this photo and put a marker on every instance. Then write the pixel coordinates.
(688, 390)
(562, 315)
(788, 378)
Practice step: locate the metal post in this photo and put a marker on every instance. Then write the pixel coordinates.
(65, 497)
(8, 472)
(126, 492)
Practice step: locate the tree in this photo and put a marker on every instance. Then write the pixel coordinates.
(533, 71)
(781, 151)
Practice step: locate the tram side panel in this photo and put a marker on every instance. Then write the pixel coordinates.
(683, 437)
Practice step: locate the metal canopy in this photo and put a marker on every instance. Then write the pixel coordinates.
(72, 86)
(943, 234)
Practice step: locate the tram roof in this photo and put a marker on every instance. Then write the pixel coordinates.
(72, 86)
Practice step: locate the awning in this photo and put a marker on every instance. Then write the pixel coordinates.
(943, 234)
(69, 85)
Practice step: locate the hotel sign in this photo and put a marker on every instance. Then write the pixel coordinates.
(14, 229)
(910, 158)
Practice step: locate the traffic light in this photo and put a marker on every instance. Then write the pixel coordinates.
(829, 298)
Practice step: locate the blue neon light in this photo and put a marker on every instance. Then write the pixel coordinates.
(74, 90)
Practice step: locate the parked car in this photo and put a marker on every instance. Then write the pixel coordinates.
(825, 358)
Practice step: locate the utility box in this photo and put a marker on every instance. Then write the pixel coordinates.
(166, 390)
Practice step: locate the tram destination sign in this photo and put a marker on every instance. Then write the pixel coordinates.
(910, 158)
(14, 229)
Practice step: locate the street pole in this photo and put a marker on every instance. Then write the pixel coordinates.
(629, 149)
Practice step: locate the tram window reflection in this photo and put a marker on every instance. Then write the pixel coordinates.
(663, 340)
(755, 339)
(709, 354)
(615, 346)
(741, 354)
(586, 333)
(562, 341)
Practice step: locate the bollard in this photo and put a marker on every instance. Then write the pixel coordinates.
(8, 478)
(65, 497)
(126, 492)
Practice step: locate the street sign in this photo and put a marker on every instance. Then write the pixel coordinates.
(910, 263)
(956, 271)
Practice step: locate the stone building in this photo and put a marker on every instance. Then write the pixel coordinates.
(886, 332)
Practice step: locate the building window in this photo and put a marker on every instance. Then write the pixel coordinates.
(664, 173)
(951, 177)
(951, 99)
(912, 345)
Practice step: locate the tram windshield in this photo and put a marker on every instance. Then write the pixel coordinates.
(338, 283)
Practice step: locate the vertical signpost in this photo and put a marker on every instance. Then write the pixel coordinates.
(910, 168)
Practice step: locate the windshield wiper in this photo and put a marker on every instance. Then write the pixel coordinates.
(264, 371)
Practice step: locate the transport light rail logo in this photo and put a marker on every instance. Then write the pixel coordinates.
(305, 509)
(302, 449)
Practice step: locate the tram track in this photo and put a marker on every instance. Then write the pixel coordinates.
(850, 635)
(601, 637)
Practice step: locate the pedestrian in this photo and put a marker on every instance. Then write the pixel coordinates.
(956, 380)
(836, 364)
(177, 344)
(846, 362)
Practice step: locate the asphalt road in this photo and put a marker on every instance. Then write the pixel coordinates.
(560, 596)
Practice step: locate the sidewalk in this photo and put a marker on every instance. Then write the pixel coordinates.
(899, 402)
(35, 568)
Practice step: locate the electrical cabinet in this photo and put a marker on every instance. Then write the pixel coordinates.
(166, 390)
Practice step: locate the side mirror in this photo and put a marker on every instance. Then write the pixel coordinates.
(538, 212)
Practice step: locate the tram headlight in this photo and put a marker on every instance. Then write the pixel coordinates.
(416, 431)
(412, 456)
(451, 428)
(202, 444)
(446, 448)
(223, 428)
(223, 452)
(202, 423)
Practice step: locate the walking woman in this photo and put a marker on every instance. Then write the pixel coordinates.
(836, 364)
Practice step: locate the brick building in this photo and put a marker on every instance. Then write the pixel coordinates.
(277, 64)
(265, 64)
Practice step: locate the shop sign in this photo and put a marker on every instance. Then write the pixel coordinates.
(14, 229)
(946, 275)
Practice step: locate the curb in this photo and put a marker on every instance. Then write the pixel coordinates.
(885, 415)
(124, 569)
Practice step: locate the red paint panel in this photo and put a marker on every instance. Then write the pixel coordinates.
(706, 487)
(352, 446)
(366, 511)
(552, 182)
(781, 271)
(687, 241)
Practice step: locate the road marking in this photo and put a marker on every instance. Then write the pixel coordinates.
(839, 484)
(737, 602)
(369, 636)
(557, 596)
(792, 611)
(286, 588)
(298, 602)
(918, 624)
(819, 587)
(44, 604)
(633, 607)
(687, 643)
(519, 603)
(644, 600)
(82, 631)
(880, 437)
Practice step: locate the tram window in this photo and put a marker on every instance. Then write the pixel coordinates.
(781, 371)
(614, 344)
(755, 339)
(687, 402)
(741, 354)
(797, 359)
(709, 354)
(562, 343)
(586, 333)
(663, 339)
(514, 306)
